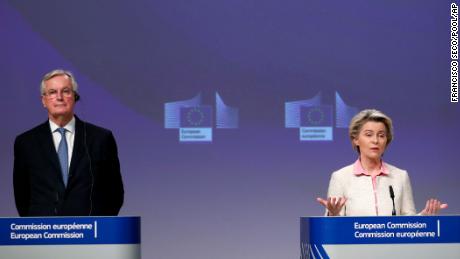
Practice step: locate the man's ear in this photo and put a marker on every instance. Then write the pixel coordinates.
(43, 101)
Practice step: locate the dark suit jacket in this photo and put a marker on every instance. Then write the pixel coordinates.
(94, 186)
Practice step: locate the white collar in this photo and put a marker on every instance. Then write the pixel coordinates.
(69, 126)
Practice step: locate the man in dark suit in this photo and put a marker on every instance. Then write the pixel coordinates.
(65, 166)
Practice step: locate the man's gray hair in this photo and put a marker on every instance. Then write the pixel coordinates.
(58, 72)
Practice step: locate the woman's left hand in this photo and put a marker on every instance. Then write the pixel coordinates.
(432, 207)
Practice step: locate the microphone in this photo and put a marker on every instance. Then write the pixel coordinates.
(392, 195)
(90, 169)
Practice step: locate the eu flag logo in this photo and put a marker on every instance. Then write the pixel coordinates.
(196, 117)
(316, 116)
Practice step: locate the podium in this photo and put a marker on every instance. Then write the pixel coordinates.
(70, 237)
(380, 237)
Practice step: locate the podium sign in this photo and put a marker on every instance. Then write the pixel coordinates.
(380, 237)
(70, 237)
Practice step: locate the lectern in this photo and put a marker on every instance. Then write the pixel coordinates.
(380, 237)
(70, 237)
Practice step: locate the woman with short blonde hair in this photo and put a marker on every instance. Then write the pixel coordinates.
(369, 186)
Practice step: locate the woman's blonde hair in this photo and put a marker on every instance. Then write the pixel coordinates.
(369, 115)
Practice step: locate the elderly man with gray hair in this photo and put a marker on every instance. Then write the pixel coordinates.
(65, 166)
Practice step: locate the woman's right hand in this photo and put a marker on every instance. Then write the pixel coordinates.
(333, 204)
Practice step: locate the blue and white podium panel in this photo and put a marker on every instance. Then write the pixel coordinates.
(380, 237)
(70, 237)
